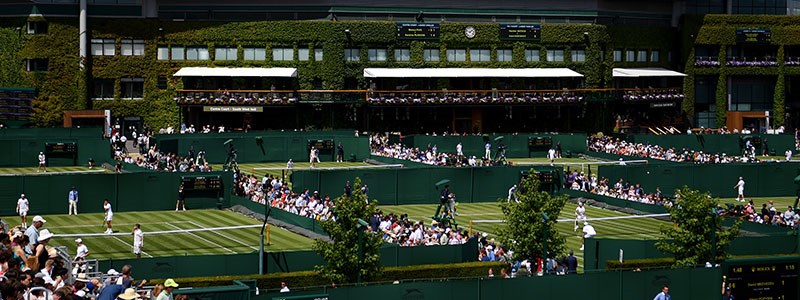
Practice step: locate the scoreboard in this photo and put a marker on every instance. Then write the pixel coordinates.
(540, 143)
(61, 153)
(202, 183)
(418, 31)
(773, 280)
(753, 36)
(521, 32)
(322, 145)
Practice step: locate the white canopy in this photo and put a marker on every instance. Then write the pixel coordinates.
(467, 72)
(235, 72)
(646, 72)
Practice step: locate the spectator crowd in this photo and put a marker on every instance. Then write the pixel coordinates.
(769, 214)
(616, 146)
(621, 189)
(379, 146)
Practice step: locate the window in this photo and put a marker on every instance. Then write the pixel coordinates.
(103, 89)
(505, 55)
(456, 54)
(617, 55)
(177, 53)
(195, 53)
(480, 55)
(226, 53)
(430, 55)
(641, 56)
(317, 54)
(654, 56)
(255, 54)
(376, 54)
(630, 56)
(36, 65)
(132, 88)
(302, 54)
(161, 83)
(352, 54)
(282, 54)
(578, 55)
(555, 55)
(37, 27)
(132, 47)
(532, 55)
(101, 47)
(402, 55)
(163, 53)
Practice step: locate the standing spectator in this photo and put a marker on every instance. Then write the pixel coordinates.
(42, 163)
(72, 198)
(558, 150)
(290, 164)
(488, 153)
(40, 252)
(664, 294)
(23, 205)
(572, 263)
(169, 288)
(138, 240)
(312, 157)
(339, 153)
(588, 231)
(181, 198)
(459, 149)
(82, 251)
(740, 185)
(108, 216)
(788, 154)
(91, 163)
(766, 148)
(284, 288)
(347, 189)
(551, 155)
(33, 231)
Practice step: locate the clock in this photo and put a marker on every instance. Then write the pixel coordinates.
(469, 32)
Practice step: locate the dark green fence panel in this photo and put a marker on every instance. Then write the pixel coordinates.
(650, 208)
(394, 161)
(730, 144)
(187, 266)
(468, 289)
(279, 262)
(231, 292)
(20, 147)
(516, 144)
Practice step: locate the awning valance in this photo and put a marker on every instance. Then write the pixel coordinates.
(235, 72)
(467, 72)
(645, 72)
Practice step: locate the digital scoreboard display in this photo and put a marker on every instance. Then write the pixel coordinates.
(540, 143)
(753, 36)
(521, 32)
(418, 31)
(202, 183)
(776, 280)
(61, 149)
(321, 144)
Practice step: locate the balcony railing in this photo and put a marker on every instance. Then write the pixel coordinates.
(474, 96)
(653, 94)
(266, 97)
(767, 61)
(706, 61)
(792, 61)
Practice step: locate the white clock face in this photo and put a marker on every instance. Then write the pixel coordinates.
(469, 32)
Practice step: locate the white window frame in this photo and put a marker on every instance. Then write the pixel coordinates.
(254, 54)
(376, 55)
(131, 47)
(480, 55)
(402, 55)
(456, 55)
(352, 54)
(430, 55)
(224, 53)
(103, 47)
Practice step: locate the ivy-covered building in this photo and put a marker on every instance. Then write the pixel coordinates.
(414, 66)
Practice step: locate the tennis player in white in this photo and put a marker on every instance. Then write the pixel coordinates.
(580, 215)
(109, 215)
(138, 240)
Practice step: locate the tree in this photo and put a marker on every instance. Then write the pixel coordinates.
(525, 228)
(341, 255)
(698, 236)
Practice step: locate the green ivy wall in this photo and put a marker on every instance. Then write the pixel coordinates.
(65, 86)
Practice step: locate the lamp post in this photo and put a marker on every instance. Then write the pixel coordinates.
(267, 211)
(360, 227)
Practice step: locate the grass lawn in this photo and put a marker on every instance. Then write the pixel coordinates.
(485, 217)
(580, 164)
(781, 203)
(51, 170)
(167, 233)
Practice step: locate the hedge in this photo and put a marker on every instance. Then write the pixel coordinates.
(312, 278)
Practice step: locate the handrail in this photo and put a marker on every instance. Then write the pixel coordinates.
(431, 91)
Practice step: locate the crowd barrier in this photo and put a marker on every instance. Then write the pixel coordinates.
(598, 251)
(265, 146)
(418, 185)
(643, 207)
(516, 144)
(691, 284)
(286, 217)
(762, 180)
(126, 192)
(21, 147)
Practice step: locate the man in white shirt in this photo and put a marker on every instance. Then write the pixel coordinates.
(788, 154)
(488, 153)
(72, 198)
(82, 251)
(580, 214)
(740, 186)
(138, 240)
(588, 231)
(290, 164)
(109, 216)
(22, 209)
(512, 193)
(42, 163)
(459, 151)
(284, 288)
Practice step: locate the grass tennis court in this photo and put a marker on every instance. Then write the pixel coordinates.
(51, 170)
(580, 164)
(168, 233)
(485, 217)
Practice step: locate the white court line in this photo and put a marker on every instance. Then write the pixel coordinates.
(331, 168)
(49, 173)
(129, 245)
(156, 232)
(225, 236)
(120, 224)
(207, 241)
(589, 219)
